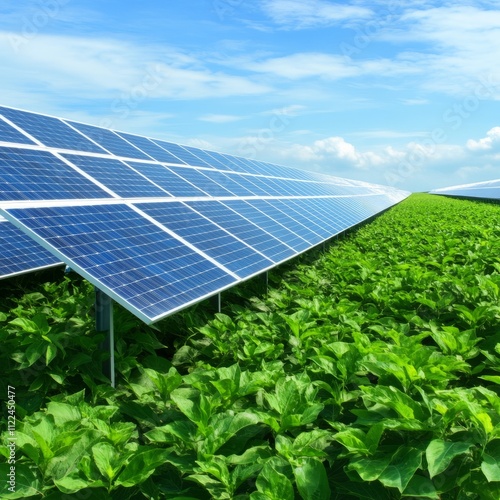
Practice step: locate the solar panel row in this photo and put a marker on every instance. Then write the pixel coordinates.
(486, 190)
(159, 226)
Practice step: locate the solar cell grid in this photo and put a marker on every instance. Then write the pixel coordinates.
(198, 178)
(168, 178)
(286, 220)
(50, 131)
(207, 236)
(9, 134)
(151, 149)
(244, 230)
(268, 224)
(110, 141)
(182, 153)
(28, 174)
(19, 253)
(117, 176)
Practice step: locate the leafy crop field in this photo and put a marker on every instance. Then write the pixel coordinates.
(370, 371)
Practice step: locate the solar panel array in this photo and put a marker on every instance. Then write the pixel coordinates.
(487, 190)
(156, 225)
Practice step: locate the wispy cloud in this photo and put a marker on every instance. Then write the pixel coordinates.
(103, 68)
(220, 118)
(298, 14)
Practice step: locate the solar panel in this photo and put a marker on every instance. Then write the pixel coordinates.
(486, 190)
(155, 225)
(20, 254)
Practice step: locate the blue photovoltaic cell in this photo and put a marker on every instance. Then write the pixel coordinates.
(205, 235)
(207, 158)
(140, 264)
(110, 141)
(150, 148)
(231, 162)
(228, 182)
(10, 134)
(243, 229)
(182, 153)
(38, 175)
(168, 178)
(19, 253)
(268, 224)
(50, 131)
(286, 219)
(242, 164)
(306, 212)
(197, 178)
(117, 176)
(251, 183)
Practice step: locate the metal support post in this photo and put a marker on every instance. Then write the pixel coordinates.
(104, 324)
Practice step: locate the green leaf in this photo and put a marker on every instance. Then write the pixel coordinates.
(491, 468)
(26, 482)
(63, 413)
(439, 454)
(25, 324)
(107, 459)
(141, 466)
(68, 458)
(403, 465)
(421, 487)
(311, 479)
(273, 485)
(50, 354)
(225, 428)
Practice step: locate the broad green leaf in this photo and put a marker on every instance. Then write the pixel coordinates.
(225, 428)
(68, 458)
(26, 484)
(63, 413)
(353, 439)
(273, 484)
(141, 466)
(370, 469)
(107, 459)
(403, 466)
(185, 430)
(194, 405)
(421, 487)
(490, 467)
(439, 454)
(72, 484)
(25, 324)
(311, 480)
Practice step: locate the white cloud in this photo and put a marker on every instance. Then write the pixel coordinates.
(304, 65)
(103, 68)
(220, 118)
(299, 14)
(491, 140)
(452, 45)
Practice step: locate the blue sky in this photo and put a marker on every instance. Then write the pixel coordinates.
(405, 93)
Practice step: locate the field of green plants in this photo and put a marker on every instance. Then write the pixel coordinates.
(369, 371)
